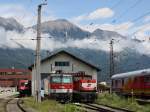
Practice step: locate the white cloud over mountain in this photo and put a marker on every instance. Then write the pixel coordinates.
(24, 40)
(121, 28)
(100, 13)
(142, 32)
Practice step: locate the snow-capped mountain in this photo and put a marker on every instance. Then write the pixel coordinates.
(11, 24)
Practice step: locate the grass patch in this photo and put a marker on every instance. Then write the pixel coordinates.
(121, 102)
(49, 106)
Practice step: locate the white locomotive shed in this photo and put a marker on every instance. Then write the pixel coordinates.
(66, 62)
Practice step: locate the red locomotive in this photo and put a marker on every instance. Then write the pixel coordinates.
(24, 88)
(59, 86)
(84, 88)
(132, 83)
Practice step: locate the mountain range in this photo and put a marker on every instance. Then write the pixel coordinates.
(128, 59)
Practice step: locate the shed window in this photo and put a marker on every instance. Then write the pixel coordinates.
(116, 83)
(112, 83)
(62, 63)
(122, 82)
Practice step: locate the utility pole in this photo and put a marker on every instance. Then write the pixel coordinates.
(38, 56)
(111, 62)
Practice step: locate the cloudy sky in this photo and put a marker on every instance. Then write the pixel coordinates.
(127, 17)
(123, 16)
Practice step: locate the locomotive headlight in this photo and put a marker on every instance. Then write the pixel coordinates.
(53, 90)
(68, 90)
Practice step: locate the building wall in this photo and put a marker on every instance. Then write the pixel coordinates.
(75, 66)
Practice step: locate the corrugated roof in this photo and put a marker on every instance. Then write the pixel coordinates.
(63, 51)
(13, 70)
(131, 74)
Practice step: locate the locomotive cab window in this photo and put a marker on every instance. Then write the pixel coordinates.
(22, 84)
(61, 79)
(55, 79)
(66, 79)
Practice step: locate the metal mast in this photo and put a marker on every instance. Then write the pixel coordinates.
(111, 62)
(38, 56)
(111, 57)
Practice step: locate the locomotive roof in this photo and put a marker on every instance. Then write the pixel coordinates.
(133, 73)
(75, 57)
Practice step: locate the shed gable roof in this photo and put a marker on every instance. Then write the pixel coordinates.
(75, 57)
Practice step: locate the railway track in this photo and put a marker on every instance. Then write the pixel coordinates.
(14, 106)
(99, 108)
(143, 101)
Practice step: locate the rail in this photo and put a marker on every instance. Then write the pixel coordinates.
(100, 108)
(13, 105)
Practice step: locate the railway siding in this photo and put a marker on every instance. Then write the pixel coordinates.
(143, 101)
(109, 108)
(12, 106)
(100, 108)
(24, 109)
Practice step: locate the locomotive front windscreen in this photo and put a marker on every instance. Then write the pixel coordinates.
(24, 83)
(67, 79)
(61, 79)
(56, 79)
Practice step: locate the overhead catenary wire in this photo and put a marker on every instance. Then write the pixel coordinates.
(136, 19)
(15, 59)
(117, 4)
(141, 29)
(22, 46)
(126, 11)
(26, 39)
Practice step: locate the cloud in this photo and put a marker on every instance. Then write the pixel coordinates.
(22, 14)
(50, 43)
(142, 32)
(121, 28)
(101, 13)
(147, 19)
(97, 14)
(94, 43)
